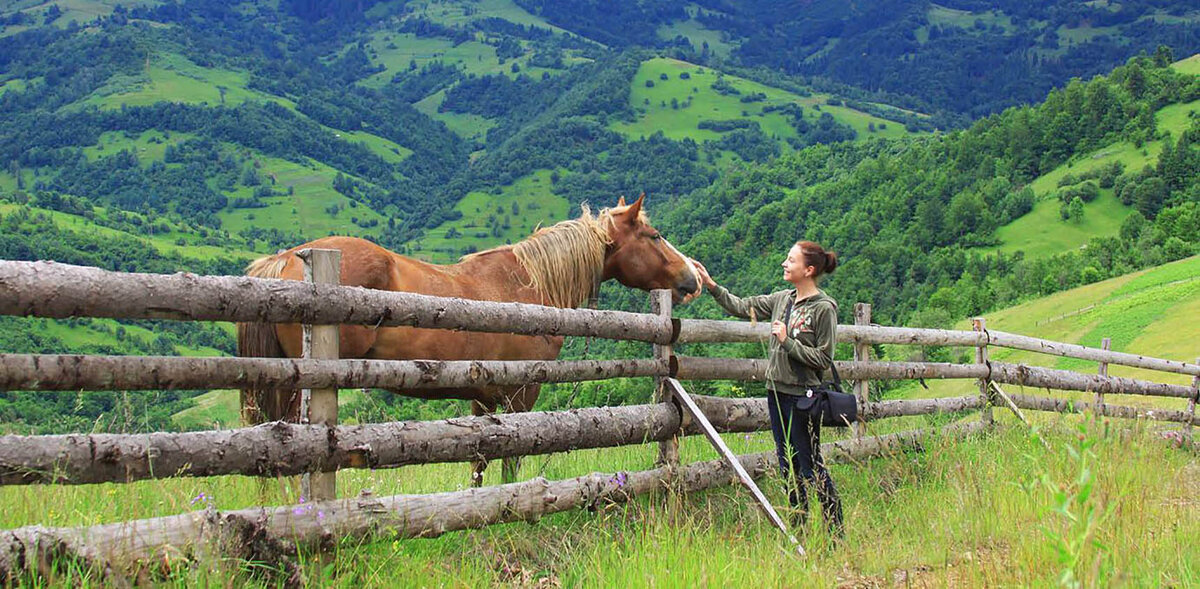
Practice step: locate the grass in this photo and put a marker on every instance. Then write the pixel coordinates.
(219, 409)
(163, 242)
(465, 125)
(397, 51)
(655, 113)
(1141, 312)
(478, 207)
(698, 35)
(305, 210)
(1042, 232)
(80, 11)
(951, 17)
(986, 511)
(455, 13)
(170, 77)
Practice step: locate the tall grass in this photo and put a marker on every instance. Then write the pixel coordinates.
(1079, 503)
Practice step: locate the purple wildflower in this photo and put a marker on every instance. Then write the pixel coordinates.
(200, 497)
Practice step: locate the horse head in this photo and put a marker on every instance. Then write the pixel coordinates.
(640, 257)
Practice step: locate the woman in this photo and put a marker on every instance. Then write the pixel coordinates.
(803, 333)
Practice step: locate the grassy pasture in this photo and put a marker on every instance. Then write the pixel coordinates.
(1141, 312)
(655, 112)
(305, 210)
(477, 207)
(979, 512)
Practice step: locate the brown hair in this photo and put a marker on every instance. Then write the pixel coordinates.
(816, 256)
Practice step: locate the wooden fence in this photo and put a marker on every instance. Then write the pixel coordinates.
(278, 449)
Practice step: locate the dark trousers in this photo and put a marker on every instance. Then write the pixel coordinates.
(798, 443)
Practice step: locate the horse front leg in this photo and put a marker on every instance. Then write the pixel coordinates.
(519, 400)
(478, 466)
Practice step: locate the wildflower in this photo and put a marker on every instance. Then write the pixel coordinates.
(620, 478)
(199, 498)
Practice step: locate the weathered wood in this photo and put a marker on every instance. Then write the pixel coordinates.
(901, 407)
(1033, 344)
(699, 368)
(660, 304)
(979, 325)
(320, 342)
(47, 289)
(1191, 410)
(284, 449)
(1105, 344)
(1035, 376)
(685, 401)
(862, 353)
(707, 330)
(49, 372)
(1070, 406)
(147, 544)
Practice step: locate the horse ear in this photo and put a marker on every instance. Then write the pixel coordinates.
(636, 207)
(621, 202)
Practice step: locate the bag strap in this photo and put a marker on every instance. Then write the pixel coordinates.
(837, 380)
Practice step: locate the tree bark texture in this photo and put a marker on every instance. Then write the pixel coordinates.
(145, 545)
(97, 373)
(1073, 406)
(285, 449)
(692, 368)
(47, 289)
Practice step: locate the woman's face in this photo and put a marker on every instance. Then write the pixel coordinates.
(793, 266)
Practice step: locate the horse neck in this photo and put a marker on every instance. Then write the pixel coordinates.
(565, 262)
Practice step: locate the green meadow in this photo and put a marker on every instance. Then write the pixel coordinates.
(306, 211)
(696, 101)
(1095, 504)
(531, 199)
(1142, 313)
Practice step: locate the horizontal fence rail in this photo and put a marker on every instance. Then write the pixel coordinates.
(139, 545)
(47, 289)
(708, 330)
(1074, 406)
(76, 372)
(691, 368)
(281, 449)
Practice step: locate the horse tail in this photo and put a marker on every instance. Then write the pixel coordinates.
(259, 340)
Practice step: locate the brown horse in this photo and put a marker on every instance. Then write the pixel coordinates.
(561, 266)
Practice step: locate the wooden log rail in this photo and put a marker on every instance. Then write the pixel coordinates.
(691, 368)
(283, 449)
(77, 372)
(707, 330)
(47, 289)
(146, 545)
(1038, 403)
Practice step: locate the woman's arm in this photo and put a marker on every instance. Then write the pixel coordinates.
(819, 356)
(761, 305)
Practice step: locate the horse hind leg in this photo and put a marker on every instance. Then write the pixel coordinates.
(478, 466)
(519, 400)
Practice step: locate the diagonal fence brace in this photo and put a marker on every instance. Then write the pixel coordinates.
(689, 405)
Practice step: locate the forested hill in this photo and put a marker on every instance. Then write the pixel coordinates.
(155, 136)
(924, 226)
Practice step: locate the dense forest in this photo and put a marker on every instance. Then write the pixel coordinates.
(194, 135)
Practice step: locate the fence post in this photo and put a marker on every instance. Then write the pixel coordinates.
(660, 304)
(979, 324)
(862, 353)
(1187, 427)
(1098, 406)
(320, 406)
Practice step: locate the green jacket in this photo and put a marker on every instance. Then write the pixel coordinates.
(807, 352)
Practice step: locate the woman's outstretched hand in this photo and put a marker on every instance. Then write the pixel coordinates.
(705, 279)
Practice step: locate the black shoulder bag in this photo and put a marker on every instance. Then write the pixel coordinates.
(838, 408)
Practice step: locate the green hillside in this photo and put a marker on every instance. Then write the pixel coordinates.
(1143, 313)
(1043, 232)
(666, 101)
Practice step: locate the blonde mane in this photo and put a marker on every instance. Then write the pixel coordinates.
(565, 261)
